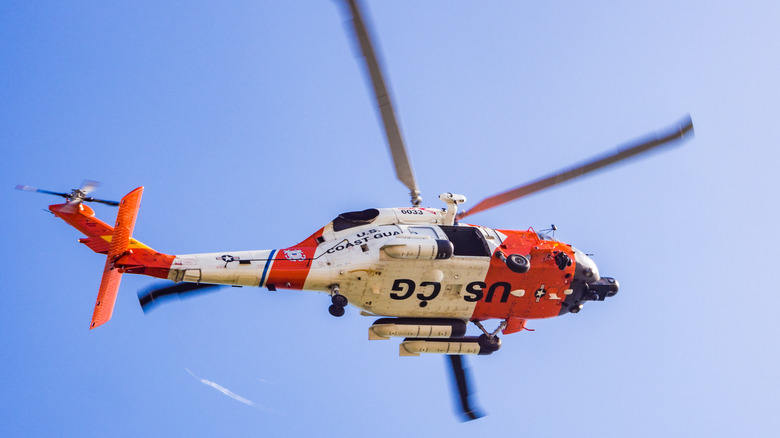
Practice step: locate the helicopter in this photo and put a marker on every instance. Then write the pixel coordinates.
(423, 272)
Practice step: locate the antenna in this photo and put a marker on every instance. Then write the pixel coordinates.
(552, 230)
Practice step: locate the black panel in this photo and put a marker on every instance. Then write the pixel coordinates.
(468, 241)
(354, 219)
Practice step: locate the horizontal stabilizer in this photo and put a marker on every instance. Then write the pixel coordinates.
(97, 244)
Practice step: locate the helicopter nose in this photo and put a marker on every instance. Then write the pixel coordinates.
(585, 269)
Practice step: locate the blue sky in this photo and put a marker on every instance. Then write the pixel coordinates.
(251, 126)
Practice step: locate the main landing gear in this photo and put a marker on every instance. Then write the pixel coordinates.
(490, 341)
(339, 302)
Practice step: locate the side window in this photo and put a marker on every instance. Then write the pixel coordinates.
(491, 234)
(468, 241)
(424, 231)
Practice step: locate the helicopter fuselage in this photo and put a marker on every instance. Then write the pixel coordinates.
(404, 262)
(397, 262)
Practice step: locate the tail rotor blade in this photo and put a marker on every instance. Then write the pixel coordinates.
(88, 186)
(102, 201)
(76, 196)
(36, 190)
(461, 382)
(159, 292)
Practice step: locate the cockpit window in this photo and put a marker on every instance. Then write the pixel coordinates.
(354, 219)
(424, 231)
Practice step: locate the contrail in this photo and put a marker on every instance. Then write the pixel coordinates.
(225, 391)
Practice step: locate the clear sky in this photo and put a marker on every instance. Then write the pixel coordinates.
(251, 125)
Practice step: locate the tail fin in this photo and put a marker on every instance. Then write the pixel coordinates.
(120, 241)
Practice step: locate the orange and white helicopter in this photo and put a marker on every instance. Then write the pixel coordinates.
(423, 271)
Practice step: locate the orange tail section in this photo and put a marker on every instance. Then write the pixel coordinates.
(124, 254)
(118, 248)
(82, 218)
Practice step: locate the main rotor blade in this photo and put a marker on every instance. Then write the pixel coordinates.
(152, 295)
(668, 137)
(403, 167)
(461, 380)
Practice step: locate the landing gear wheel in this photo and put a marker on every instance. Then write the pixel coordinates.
(518, 263)
(339, 300)
(336, 311)
(489, 343)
